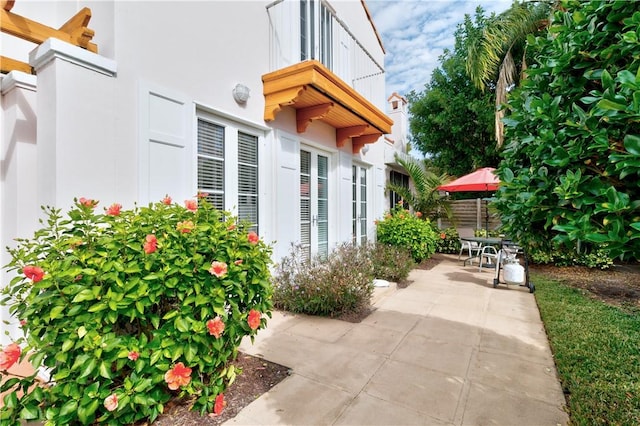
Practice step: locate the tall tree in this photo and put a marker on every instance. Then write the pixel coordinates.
(572, 163)
(496, 58)
(452, 120)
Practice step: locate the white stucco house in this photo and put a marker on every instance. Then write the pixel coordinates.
(274, 108)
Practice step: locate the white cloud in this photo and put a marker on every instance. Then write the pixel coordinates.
(416, 32)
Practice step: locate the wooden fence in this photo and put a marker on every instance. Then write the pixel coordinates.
(473, 213)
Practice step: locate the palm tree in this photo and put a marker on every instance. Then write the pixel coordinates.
(423, 196)
(490, 58)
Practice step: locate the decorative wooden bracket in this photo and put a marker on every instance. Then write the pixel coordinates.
(275, 101)
(304, 116)
(345, 133)
(360, 141)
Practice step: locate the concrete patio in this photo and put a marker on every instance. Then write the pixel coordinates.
(447, 350)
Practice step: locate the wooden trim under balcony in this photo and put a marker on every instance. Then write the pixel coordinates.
(318, 94)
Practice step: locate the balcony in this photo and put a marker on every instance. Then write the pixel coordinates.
(318, 94)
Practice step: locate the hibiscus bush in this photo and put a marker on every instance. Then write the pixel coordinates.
(448, 241)
(402, 228)
(127, 309)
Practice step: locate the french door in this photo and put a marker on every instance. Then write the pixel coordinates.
(359, 204)
(314, 202)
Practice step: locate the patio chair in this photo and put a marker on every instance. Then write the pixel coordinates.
(490, 253)
(472, 247)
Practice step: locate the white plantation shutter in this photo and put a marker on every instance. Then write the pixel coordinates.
(323, 205)
(248, 179)
(305, 202)
(211, 162)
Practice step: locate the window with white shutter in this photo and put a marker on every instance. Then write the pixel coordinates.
(228, 166)
(211, 162)
(248, 179)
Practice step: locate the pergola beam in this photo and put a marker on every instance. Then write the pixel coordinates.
(74, 31)
(8, 64)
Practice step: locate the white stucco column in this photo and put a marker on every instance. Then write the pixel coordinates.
(76, 112)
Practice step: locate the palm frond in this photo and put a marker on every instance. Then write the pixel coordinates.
(486, 54)
(423, 195)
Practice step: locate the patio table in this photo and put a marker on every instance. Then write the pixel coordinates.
(482, 241)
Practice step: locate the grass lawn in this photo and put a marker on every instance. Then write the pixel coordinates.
(597, 353)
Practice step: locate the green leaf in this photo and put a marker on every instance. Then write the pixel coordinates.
(155, 357)
(181, 324)
(100, 306)
(608, 105)
(607, 81)
(57, 311)
(104, 370)
(85, 412)
(9, 384)
(133, 268)
(68, 408)
(190, 352)
(597, 238)
(88, 368)
(152, 276)
(68, 344)
(170, 315)
(155, 321)
(84, 295)
(29, 412)
(632, 144)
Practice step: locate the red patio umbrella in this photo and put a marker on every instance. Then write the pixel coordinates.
(480, 180)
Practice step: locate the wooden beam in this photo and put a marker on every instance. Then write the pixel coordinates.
(8, 64)
(76, 27)
(345, 133)
(79, 20)
(7, 4)
(304, 116)
(360, 141)
(35, 32)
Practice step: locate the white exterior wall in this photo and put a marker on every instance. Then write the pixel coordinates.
(120, 127)
(18, 185)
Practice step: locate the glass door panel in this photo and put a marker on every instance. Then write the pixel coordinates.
(314, 203)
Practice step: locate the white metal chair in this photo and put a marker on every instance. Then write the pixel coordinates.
(472, 247)
(490, 253)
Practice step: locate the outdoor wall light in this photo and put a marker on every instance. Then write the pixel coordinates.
(364, 149)
(240, 93)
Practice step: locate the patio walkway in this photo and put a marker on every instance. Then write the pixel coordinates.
(448, 350)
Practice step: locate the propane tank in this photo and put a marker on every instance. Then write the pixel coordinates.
(513, 272)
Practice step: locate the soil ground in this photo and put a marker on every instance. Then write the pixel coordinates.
(618, 286)
(257, 377)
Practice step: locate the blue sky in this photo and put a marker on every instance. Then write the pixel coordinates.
(416, 32)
